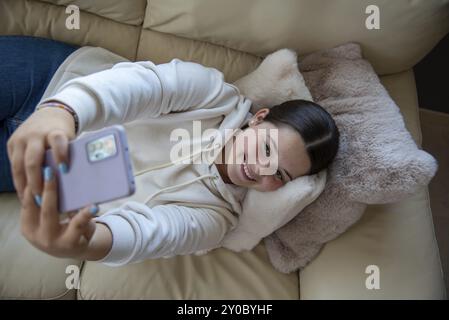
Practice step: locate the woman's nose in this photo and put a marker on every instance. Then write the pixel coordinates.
(261, 172)
(262, 167)
(254, 171)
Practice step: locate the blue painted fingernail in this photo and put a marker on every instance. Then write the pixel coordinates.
(38, 200)
(48, 174)
(93, 210)
(63, 167)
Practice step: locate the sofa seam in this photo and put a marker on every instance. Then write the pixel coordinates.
(127, 25)
(78, 293)
(420, 136)
(88, 12)
(201, 41)
(434, 239)
(80, 265)
(208, 42)
(139, 39)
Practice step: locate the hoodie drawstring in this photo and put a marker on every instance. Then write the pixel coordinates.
(171, 163)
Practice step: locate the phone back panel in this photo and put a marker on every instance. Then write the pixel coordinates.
(88, 182)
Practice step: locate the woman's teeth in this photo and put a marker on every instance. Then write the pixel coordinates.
(247, 172)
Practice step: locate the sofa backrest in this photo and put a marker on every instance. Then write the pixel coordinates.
(235, 35)
(408, 29)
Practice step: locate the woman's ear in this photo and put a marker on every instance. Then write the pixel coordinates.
(259, 116)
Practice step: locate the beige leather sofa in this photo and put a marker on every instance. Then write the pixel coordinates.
(233, 36)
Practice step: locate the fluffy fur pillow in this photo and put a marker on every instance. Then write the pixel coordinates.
(262, 214)
(277, 79)
(378, 161)
(265, 212)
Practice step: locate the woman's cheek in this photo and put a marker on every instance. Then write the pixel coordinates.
(271, 184)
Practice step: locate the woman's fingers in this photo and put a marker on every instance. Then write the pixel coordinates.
(89, 230)
(79, 226)
(59, 144)
(49, 220)
(33, 160)
(29, 214)
(16, 153)
(71, 214)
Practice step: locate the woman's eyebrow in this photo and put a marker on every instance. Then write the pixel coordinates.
(277, 152)
(288, 174)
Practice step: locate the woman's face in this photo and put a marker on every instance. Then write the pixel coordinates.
(258, 170)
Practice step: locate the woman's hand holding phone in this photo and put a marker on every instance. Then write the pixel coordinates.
(47, 128)
(79, 237)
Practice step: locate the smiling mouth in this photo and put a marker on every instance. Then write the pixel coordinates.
(245, 170)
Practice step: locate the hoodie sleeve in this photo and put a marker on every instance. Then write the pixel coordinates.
(140, 232)
(135, 90)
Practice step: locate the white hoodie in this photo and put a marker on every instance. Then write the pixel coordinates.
(178, 208)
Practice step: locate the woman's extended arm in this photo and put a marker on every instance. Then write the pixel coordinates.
(127, 91)
(136, 90)
(140, 232)
(130, 233)
(148, 233)
(99, 245)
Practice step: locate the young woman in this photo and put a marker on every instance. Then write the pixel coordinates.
(179, 207)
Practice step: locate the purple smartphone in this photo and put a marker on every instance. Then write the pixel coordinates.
(99, 169)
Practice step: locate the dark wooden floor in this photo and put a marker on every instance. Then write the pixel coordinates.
(435, 130)
(431, 75)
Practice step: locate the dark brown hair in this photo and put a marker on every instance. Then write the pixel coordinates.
(316, 127)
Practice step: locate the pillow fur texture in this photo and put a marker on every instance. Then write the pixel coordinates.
(377, 162)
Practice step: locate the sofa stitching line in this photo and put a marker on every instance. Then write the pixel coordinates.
(88, 12)
(207, 42)
(48, 298)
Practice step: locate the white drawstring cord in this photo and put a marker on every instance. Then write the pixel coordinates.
(164, 165)
(178, 185)
(214, 146)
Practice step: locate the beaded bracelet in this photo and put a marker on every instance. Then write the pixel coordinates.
(61, 106)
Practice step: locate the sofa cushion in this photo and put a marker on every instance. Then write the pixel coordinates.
(397, 238)
(42, 19)
(408, 29)
(25, 272)
(129, 12)
(162, 48)
(221, 274)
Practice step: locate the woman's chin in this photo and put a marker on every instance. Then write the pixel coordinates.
(240, 183)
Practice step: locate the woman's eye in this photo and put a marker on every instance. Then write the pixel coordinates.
(278, 175)
(267, 150)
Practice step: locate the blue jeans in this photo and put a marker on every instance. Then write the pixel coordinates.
(27, 65)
